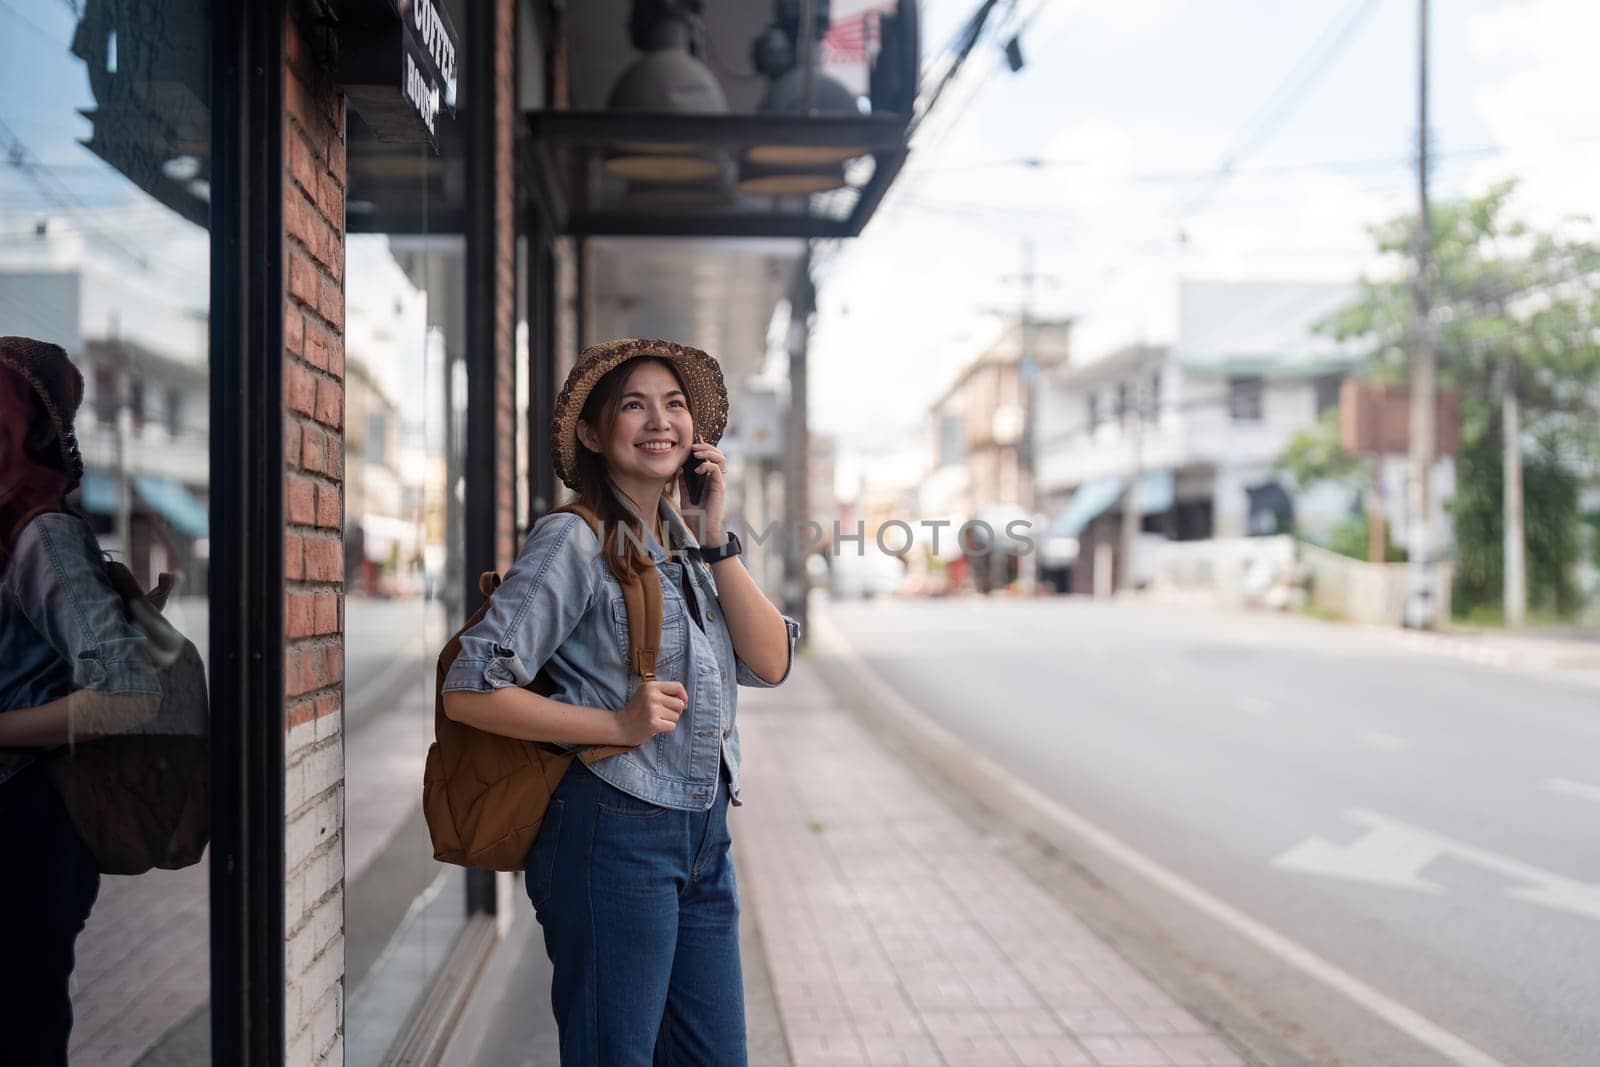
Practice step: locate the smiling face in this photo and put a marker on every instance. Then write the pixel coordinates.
(647, 436)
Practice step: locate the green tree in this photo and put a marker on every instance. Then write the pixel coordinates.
(1517, 324)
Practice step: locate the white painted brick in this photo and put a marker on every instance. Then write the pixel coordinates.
(324, 973)
(323, 768)
(335, 1056)
(325, 1022)
(315, 825)
(294, 900)
(324, 872)
(328, 918)
(300, 950)
(300, 1052)
(300, 738)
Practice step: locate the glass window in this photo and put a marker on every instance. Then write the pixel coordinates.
(1326, 387)
(104, 166)
(404, 398)
(1244, 398)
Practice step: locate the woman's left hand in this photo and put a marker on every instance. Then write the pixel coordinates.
(707, 526)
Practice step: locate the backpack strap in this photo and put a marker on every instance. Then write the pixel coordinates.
(642, 595)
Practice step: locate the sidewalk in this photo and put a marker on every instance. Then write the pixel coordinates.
(883, 928)
(896, 934)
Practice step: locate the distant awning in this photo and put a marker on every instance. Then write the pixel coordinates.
(98, 493)
(1086, 505)
(1155, 489)
(1155, 492)
(168, 498)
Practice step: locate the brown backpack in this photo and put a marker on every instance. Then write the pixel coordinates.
(485, 795)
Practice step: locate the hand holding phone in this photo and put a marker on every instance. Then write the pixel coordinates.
(694, 482)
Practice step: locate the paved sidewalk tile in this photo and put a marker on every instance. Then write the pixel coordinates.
(895, 934)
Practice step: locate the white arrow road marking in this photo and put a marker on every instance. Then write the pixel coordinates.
(1573, 789)
(1394, 853)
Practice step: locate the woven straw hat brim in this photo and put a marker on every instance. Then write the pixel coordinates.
(702, 377)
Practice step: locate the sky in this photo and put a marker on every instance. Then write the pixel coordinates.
(1136, 104)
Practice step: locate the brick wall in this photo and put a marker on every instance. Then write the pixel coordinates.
(505, 282)
(313, 386)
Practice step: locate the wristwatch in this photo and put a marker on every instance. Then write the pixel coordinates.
(730, 547)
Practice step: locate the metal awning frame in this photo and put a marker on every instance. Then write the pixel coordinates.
(557, 143)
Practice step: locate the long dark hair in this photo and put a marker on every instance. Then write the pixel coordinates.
(600, 411)
(34, 477)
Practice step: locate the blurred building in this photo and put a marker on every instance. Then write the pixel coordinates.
(1197, 427)
(144, 424)
(978, 427)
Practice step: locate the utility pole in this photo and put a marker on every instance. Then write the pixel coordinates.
(1131, 518)
(1514, 542)
(1420, 608)
(802, 303)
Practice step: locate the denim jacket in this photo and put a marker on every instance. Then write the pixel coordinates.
(560, 608)
(62, 626)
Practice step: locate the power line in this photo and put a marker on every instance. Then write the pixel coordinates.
(1289, 93)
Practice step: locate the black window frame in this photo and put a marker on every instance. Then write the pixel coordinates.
(1246, 398)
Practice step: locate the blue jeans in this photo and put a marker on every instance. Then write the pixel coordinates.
(641, 924)
(48, 885)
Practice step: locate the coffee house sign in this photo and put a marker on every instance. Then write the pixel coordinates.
(397, 61)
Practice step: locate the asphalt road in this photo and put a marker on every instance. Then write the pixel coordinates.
(1425, 826)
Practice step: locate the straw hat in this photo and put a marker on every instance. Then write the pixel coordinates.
(702, 377)
(57, 383)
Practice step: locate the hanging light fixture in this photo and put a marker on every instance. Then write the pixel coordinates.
(797, 86)
(667, 78)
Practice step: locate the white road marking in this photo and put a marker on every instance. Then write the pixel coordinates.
(1383, 742)
(1407, 1020)
(1573, 789)
(1394, 853)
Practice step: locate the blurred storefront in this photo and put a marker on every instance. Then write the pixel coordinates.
(323, 264)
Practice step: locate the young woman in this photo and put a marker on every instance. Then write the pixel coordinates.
(631, 875)
(71, 668)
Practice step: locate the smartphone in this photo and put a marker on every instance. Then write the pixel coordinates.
(694, 483)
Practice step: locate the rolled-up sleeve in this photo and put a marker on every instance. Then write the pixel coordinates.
(59, 581)
(748, 677)
(536, 608)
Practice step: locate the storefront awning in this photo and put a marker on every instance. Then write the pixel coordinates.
(179, 507)
(1155, 490)
(1087, 504)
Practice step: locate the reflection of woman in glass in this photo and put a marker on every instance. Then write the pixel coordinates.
(632, 875)
(71, 667)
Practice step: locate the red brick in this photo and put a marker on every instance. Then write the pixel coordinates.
(330, 301)
(330, 199)
(317, 342)
(298, 215)
(313, 450)
(299, 388)
(299, 615)
(293, 683)
(303, 166)
(297, 101)
(330, 404)
(303, 279)
(330, 507)
(301, 712)
(327, 704)
(294, 329)
(326, 612)
(302, 493)
(293, 557)
(324, 559)
(336, 357)
(336, 161)
(332, 670)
